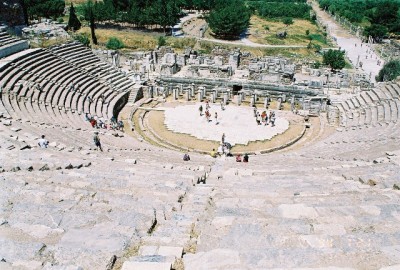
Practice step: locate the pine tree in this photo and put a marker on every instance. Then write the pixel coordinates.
(73, 22)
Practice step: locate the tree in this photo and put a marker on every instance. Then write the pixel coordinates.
(376, 31)
(334, 59)
(90, 16)
(389, 72)
(230, 20)
(73, 21)
(287, 21)
(114, 44)
(44, 8)
(24, 11)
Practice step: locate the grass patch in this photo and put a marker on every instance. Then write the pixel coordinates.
(138, 40)
(264, 31)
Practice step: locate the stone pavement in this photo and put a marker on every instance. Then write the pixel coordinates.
(355, 52)
(238, 123)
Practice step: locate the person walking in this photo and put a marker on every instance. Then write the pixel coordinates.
(201, 110)
(96, 141)
(216, 118)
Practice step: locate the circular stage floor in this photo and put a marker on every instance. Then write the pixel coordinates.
(237, 122)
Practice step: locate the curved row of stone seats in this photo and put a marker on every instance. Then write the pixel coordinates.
(372, 107)
(25, 80)
(83, 210)
(10, 45)
(299, 215)
(79, 55)
(361, 143)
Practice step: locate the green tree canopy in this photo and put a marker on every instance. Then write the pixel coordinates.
(73, 21)
(334, 59)
(389, 72)
(376, 31)
(287, 21)
(229, 19)
(44, 8)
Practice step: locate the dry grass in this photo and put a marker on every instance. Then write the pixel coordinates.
(264, 31)
(138, 40)
(131, 39)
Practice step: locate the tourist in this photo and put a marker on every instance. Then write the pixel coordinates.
(216, 118)
(100, 123)
(96, 141)
(87, 117)
(201, 110)
(258, 118)
(43, 143)
(238, 158)
(220, 149)
(222, 105)
(223, 138)
(246, 158)
(255, 111)
(272, 119)
(213, 153)
(121, 125)
(227, 151)
(207, 105)
(93, 122)
(208, 115)
(186, 157)
(264, 117)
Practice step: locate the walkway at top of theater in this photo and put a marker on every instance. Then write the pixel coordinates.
(356, 52)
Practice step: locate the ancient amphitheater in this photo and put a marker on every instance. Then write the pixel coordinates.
(329, 200)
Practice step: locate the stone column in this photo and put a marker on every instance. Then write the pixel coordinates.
(278, 106)
(266, 102)
(200, 96)
(225, 98)
(213, 95)
(181, 89)
(192, 89)
(187, 95)
(252, 100)
(175, 93)
(240, 96)
(292, 107)
(150, 92)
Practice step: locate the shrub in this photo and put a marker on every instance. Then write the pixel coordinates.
(114, 44)
(161, 41)
(389, 72)
(82, 39)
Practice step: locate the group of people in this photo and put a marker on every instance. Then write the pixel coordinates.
(101, 123)
(207, 112)
(264, 118)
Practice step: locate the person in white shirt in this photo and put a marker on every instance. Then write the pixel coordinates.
(43, 143)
